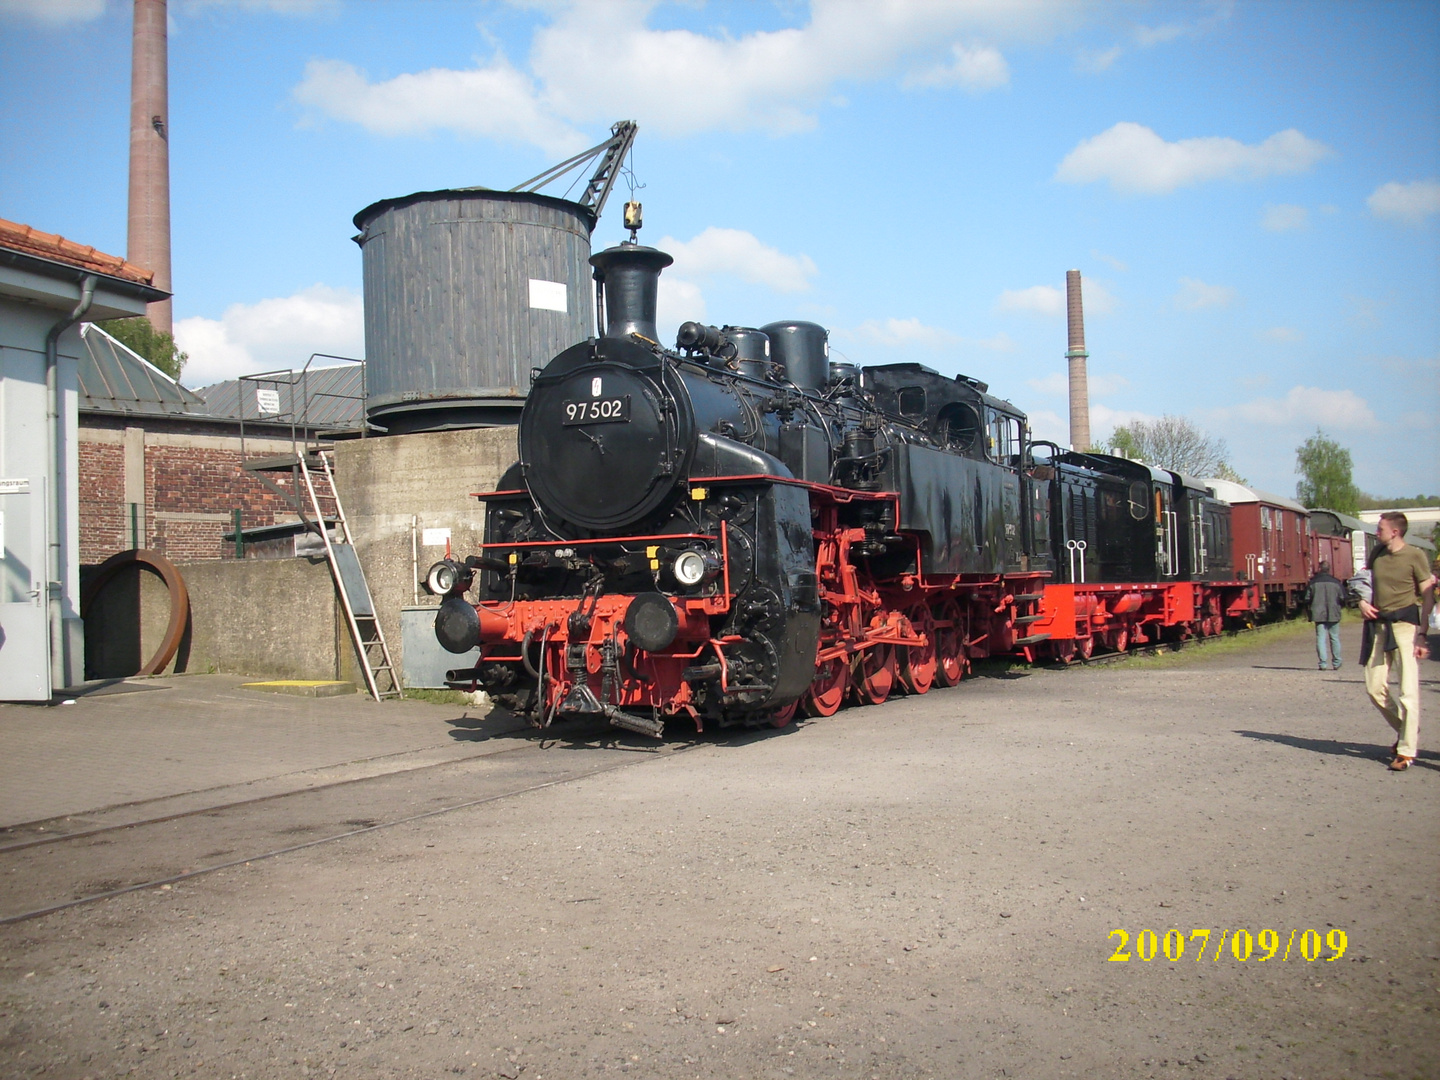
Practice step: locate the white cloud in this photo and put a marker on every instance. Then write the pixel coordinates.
(1409, 203)
(1366, 311)
(1049, 424)
(1001, 342)
(1049, 301)
(596, 61)
(1094, 61)
(1196, 295)
(973, 68)
(1136, 160)
(1306, 406)
(495, 101)
(1110, 261)
(1036, 300)
(66, 12)
(275, 7)
(737, 252)
(277, 333)
(1285, 334)
(1278, 218)
(1057, 383)
(902, 333)
(1146, 36)
(678, 301)
(53, 12)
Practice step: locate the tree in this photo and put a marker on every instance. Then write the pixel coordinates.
(1223, 471)
(154, 345)
(1172, 442)
(1325, 469)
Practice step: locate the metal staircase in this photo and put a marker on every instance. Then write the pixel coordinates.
(311, 491)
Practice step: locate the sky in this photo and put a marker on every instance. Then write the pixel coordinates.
(1251, 190)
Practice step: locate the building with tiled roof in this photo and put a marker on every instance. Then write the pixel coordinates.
(47, 286)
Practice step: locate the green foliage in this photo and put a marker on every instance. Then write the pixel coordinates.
(1390, 502)
(1326, 472)
(1223, 471)
(1171, 442)
(154, 345)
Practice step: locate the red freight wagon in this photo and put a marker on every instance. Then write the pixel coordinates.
(1334, 538)
(1272, 543)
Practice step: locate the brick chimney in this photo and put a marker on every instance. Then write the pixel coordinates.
(1076, 355)
(148, 239)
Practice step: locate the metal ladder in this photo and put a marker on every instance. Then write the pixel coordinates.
(350, 584)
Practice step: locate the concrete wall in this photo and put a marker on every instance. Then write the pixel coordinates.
(275, 619)
(280, 618)
(391, 482)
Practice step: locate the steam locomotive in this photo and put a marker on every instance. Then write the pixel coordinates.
(740, 527)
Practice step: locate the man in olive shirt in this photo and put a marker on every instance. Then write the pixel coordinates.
(1404, 594)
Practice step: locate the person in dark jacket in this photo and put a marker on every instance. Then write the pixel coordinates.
(1326, 598)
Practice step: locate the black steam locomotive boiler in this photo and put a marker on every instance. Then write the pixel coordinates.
(737, 526)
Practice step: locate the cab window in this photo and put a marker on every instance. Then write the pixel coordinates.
(1002, 437)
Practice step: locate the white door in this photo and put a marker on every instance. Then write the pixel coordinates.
(24, 620)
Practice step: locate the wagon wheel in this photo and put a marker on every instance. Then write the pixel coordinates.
(917, 671)
(875, 674)
(1086, 647)
(1064, 652)
(827, 692)
(782, 716)
(1122, 639)
(949, 644)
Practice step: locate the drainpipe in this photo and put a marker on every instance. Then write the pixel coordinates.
(54, 436)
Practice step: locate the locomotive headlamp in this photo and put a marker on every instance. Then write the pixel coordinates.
(693, 567)
(448, 576)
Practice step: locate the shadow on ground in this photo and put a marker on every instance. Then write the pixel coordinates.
(1338, 748)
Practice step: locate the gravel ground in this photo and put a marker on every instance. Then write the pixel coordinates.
(929, 888)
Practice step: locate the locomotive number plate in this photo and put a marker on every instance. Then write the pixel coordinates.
(597, 411)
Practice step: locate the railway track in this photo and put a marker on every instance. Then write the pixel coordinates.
(43, 875)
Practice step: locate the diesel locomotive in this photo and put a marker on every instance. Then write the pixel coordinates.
(740, 527)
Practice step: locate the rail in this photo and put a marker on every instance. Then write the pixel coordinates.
(296, 409)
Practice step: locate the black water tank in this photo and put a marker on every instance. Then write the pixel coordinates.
(803, 349)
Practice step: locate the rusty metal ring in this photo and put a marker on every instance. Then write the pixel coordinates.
(179, 599)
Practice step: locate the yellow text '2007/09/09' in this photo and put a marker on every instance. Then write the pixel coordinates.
(1244, 946)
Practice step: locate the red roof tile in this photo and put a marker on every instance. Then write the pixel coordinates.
(28, 241)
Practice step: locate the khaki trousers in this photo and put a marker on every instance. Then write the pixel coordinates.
(1399, 705)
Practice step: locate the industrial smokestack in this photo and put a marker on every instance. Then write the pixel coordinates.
(1076, 354)
(148, 241)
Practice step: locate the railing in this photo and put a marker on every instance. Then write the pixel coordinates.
(305, 432)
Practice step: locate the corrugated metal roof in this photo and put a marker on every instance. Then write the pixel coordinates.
(115, 379)
(319, 397)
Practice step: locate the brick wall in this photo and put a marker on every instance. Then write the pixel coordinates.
(192, 484)
(104, 517)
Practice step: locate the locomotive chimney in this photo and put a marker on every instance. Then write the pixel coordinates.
(1076, 355)
(629, 275)
(148, 242)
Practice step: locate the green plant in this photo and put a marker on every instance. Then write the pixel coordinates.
(139, 336)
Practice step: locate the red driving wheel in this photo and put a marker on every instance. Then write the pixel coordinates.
(827, 692)
(875, 674)
(949, 644)
(782, 716)
(918, 670)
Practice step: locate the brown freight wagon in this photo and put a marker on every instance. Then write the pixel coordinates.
(1272, 542)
